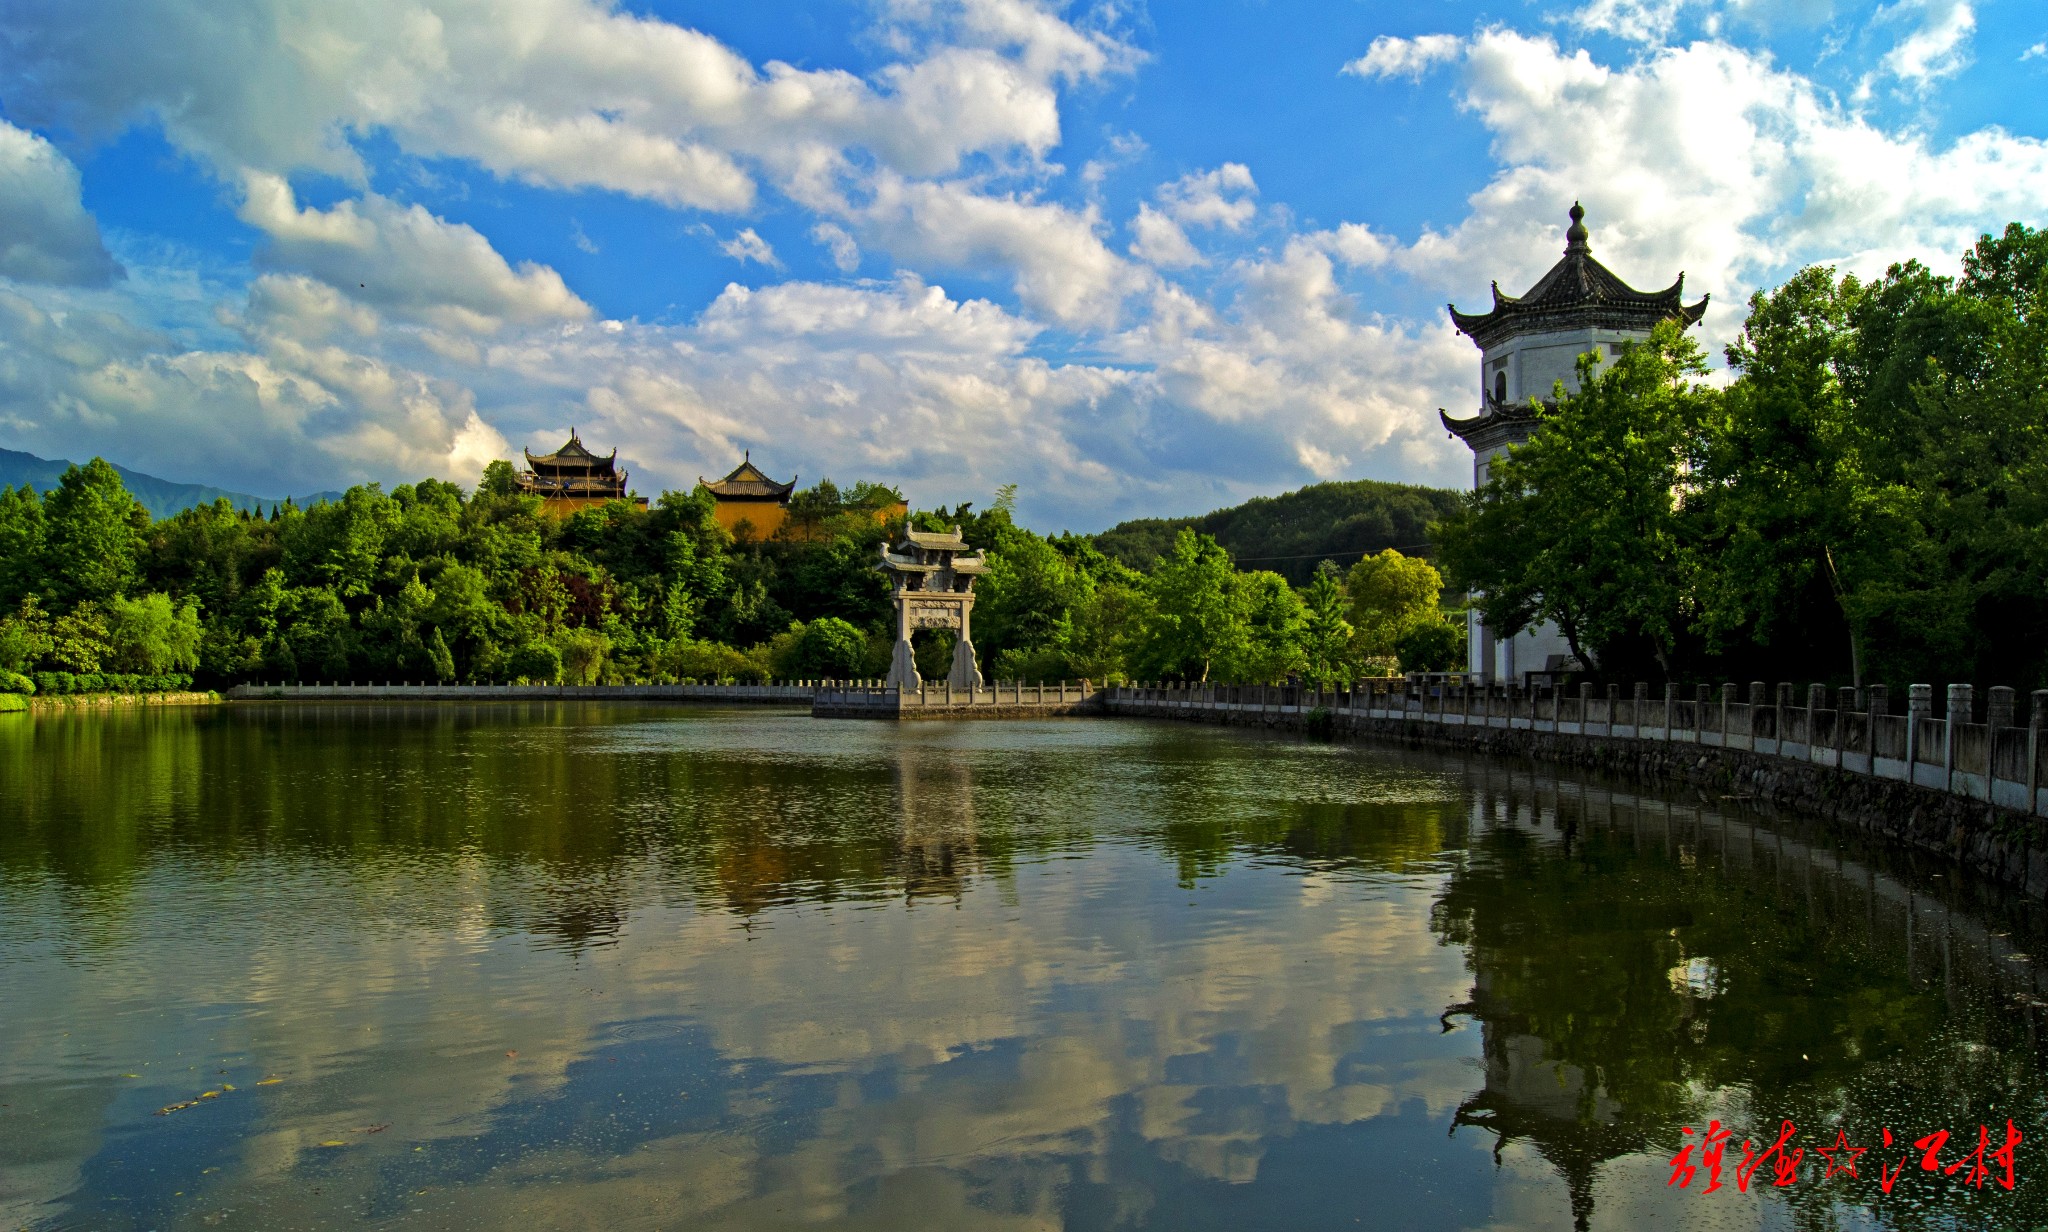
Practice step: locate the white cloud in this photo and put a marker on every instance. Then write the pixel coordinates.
(2036, 51)
(404, 261)
(1390, 56)
(749, 246)
(561, 93)
(1641, 21)
(1059, 263)
(1939, 45)
(1218, 198)
(840, 243)
(1710, 160)
(45, 233)
(1160, 241)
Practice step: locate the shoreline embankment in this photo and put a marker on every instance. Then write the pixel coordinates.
(1969, 791)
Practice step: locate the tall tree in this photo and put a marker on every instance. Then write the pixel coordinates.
(1197, 619)
(1586, 525)
(93, 536)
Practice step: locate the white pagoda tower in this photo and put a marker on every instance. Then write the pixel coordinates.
(1527, 344)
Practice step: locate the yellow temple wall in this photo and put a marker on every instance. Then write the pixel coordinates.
(564, 506)
(768, 517)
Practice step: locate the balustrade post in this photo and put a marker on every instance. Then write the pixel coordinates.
(1962, 708)
(1998, 707)
(2035, 718)
(1919, 703)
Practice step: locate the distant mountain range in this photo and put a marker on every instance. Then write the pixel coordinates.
(160, 496)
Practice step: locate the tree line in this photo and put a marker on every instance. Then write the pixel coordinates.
(429, 582)
(1864, 501)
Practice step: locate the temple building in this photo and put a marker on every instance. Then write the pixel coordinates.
(573, 478)
(748, 495)
(1528, 344)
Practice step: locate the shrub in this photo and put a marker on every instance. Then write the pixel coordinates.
(829, 647)
(710, 662)
(1431, 646)
(15, 682)
(537, 662)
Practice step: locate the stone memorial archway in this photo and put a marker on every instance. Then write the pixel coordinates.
(932, 575)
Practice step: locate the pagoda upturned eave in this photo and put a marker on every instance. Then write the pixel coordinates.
(1577, 293)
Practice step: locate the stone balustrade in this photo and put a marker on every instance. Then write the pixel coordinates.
(1997, 760)
(941, 700)
(784, 693)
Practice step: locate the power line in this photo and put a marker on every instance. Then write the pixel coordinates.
(1399, 547)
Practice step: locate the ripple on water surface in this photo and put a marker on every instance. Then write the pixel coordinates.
(559, 966)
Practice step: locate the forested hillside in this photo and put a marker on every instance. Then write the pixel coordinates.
(431, 582)
(1291, 534)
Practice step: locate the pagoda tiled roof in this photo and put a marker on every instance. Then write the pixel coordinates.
(1577, 293)
(749, 482)
(573, 455)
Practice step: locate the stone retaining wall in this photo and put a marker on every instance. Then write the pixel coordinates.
(790, 694)
(1963, 814)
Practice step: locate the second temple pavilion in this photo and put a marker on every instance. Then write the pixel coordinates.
(573, 478)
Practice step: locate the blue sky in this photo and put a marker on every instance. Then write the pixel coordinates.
(1138, 259)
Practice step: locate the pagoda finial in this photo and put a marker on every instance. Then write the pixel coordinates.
(1576, 237)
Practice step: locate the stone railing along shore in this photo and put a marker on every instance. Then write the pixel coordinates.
(783, 693)
(940, 700)
(1968, 786)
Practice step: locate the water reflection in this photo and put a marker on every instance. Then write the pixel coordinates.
(569, 967)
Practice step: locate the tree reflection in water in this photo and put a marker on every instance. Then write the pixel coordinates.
(1639, 966)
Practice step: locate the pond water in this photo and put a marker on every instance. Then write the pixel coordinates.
(274, 966)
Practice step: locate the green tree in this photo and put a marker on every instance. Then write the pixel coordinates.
(583, 655)
(1197, 618)
(536, 663)
(499, 479)
(1435, 645)
(22, 532)
(1275, 622)
(93, 535)
(1391, 594)
(78, 640)
(1586, 524)
(151, 635)
(828, 648)
(1326, 634)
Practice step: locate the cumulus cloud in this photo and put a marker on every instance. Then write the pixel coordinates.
(1711, 160)
(404, 261)
(1218, 198)
(1390, 56)
(840, 243)
(749, 246)
(1938, 46)
(1160, 241)
(1641, 21)
(561, 93)
(45, 233)
(1059, 263)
